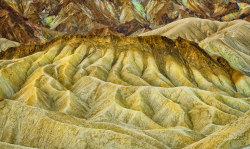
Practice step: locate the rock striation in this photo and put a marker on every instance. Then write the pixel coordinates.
(124, 16)
(121, 92)
(16, 27)
(219, 39)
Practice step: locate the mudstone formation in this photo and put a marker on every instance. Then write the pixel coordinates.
(124, 74)
(34, 21)
(121, 92)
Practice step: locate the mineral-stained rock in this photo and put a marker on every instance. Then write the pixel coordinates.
(229, 40)
(120, 92)
(15, 27)
(231, 136)
(81, 16)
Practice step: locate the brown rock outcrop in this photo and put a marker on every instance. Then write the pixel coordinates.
(15, 27)
(124, 16)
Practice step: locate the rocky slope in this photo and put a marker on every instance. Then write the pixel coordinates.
(5, 44)
(219, 9)
(15, 27)
(121, 92)
(229, 40)
(124, 16)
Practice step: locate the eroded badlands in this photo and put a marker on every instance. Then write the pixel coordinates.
(121, 92)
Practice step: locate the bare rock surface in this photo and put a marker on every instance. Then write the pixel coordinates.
(123, 16)
(5, 44)
(121, 92)
(229, 40)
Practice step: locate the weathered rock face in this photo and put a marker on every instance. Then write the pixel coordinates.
(15, 27)
(229, 40)
(5, 44)
(227, 134)
(81, 16)
(121, 92)
(219, 9)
